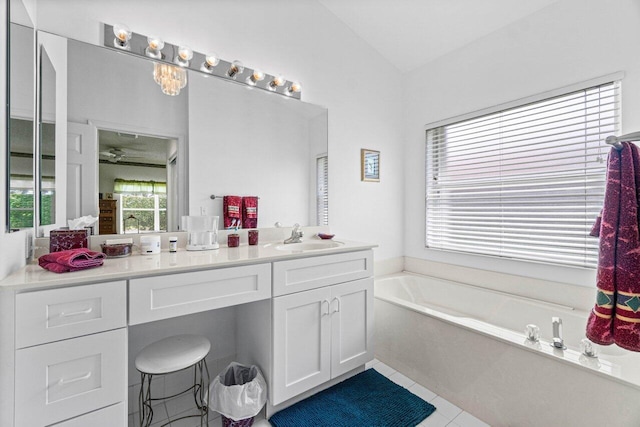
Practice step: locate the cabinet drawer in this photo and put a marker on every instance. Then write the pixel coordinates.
(56, 314)
(162, 297)
(58, 381)
(112, 416)
(308, 273)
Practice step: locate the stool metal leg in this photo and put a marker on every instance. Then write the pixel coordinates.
(200, 388)
(146, 411)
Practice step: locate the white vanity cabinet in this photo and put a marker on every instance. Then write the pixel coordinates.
(324, 332)
(306, 319)
(71, 354)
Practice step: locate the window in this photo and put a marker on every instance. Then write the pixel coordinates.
(322, 190)
(21, 201)
(525, 182)
(143, 205)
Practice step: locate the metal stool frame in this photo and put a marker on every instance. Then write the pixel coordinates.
(199, 388)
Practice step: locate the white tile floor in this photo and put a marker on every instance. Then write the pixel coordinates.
(446, 414)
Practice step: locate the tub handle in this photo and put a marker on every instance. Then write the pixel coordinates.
(328, 307)
(337, 308)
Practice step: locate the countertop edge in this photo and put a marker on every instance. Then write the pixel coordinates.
(33, 277)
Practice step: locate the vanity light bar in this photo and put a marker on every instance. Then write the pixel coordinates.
(138, 44)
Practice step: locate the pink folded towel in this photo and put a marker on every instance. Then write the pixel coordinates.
(71, 260)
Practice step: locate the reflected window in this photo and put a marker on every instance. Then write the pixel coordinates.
(525, 183)
(322, 190)
(20, 203)
(143, 205)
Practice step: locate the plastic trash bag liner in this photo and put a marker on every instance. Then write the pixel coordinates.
(238, 392)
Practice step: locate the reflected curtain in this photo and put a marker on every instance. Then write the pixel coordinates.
(139, 187)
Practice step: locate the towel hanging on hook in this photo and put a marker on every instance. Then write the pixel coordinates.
(214, 197)
(615, 317)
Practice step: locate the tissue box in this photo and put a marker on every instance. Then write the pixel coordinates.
(63, 239)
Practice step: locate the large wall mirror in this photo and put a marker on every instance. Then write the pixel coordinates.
(20, 152)
(112, 145)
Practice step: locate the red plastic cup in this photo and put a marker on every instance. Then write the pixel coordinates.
(253, 237)
(233, 241)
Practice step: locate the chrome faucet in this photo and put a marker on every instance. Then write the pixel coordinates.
(558, 342)
(296, 234)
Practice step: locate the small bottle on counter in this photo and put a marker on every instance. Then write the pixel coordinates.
(173, 244)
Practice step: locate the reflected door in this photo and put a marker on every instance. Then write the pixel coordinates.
(82, 170)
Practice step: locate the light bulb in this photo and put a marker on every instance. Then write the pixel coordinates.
(154, 47)
(210, 61)
(123, 35)
(184, 56)
(255, 77)
(276, 82)
(295, 87)
(235, 68)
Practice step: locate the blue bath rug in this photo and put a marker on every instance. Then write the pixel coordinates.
(368, 399)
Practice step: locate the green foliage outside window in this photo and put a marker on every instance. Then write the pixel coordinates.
(21, 209)
(142, 207)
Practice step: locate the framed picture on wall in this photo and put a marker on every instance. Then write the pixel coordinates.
(370, 165)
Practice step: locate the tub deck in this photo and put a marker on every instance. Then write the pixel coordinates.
(468, 344)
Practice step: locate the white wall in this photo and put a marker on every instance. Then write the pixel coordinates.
(566, 43)
(304, 41)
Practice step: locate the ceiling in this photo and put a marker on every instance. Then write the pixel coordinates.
(411, 33)
(132, 148)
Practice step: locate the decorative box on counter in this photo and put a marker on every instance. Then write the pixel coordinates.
(63, 239)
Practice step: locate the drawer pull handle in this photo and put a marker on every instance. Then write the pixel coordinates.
(328, 307)
(76, 313)
(74, 380)
(338, 307)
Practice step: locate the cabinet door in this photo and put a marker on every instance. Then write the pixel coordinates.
(352, 325)
(111, 416)
(61, 380)
(301, 343)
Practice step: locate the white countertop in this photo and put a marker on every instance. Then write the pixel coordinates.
(33, 276)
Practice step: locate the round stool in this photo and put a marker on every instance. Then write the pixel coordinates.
(170, 355)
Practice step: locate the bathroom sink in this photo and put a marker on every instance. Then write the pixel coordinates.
(308, 246)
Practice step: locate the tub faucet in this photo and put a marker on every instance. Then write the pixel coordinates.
(296, 235)
(558, 342)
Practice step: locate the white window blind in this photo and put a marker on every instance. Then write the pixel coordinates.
(322, 190)
(524, 183)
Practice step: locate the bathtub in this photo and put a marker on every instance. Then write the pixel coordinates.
(467, 344)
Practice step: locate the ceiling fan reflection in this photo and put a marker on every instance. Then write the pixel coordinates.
(114, 155)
